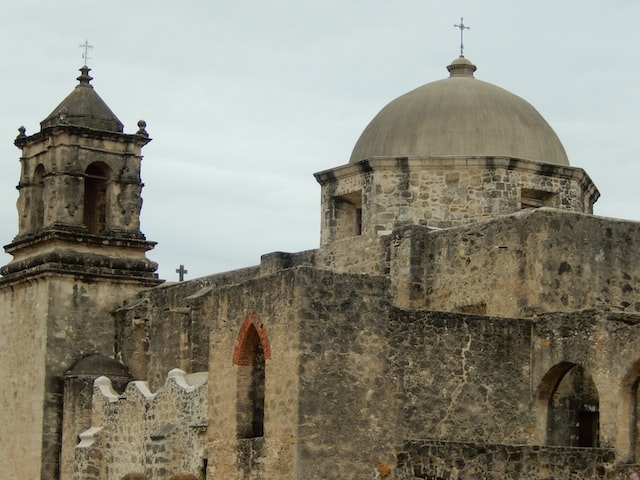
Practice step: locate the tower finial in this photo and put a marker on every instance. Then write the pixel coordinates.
(84, 77)
(85, 53)
(462, 28)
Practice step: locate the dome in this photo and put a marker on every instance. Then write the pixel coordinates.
(94, 365)
(460, 116)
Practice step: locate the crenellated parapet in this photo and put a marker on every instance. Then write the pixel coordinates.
(155, 432)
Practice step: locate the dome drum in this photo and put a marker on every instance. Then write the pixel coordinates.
(388, 192)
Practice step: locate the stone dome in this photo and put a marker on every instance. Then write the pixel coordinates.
(460, 116)
(95, 365)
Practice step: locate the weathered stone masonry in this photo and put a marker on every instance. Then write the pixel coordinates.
(465, 315)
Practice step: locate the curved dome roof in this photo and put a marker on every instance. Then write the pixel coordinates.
(96, 364)
(460, 116)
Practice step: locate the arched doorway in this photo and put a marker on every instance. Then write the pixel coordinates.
(573, 407)
(251, 352)
(631, 409)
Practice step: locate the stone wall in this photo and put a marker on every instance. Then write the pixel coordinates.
(44, 332)
(445, 191)
(22, 354)
(309, 319)
(349, 378)
(606, 345)
(350, 412)
(273, 262)
(461, 376)
(164, 327)
(139, 431)
(437, 460)
(528, 263)
(270, 303)
(358, 254)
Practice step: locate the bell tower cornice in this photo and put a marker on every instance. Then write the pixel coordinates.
(23, 140)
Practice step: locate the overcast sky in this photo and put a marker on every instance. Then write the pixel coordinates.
(245, 100)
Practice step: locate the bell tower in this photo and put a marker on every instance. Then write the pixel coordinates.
(80, 192)
(78, 254)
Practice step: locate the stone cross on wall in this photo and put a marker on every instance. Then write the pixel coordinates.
(181, 271)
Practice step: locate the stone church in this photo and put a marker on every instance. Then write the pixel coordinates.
(465, 315)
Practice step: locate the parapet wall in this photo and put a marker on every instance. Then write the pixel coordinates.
(140, 431)
(520, 265)
(459, 460)
(161, 320)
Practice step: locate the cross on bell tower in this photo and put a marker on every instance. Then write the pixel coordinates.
(85, 54)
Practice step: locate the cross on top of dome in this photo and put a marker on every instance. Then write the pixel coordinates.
(462, 28)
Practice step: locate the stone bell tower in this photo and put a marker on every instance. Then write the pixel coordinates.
(78, 253)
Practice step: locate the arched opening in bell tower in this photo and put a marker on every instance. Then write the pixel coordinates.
(96, 198)
(37, 213)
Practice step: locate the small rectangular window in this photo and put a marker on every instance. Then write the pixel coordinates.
(530, 198)
(348, 215)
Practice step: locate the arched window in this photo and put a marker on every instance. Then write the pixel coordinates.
(635, 421)
(631, 408)
(96, 211)
(573, 407)
(37, 214)
(252, 349)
